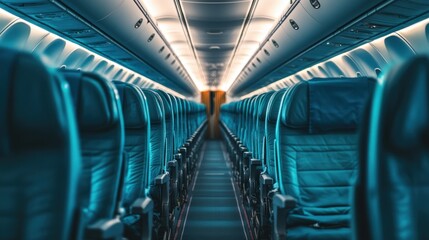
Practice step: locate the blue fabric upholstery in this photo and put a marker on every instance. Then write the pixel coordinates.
(157, 134)
(101, 125)
(39, 150)
(323, 109)
(317, 163)
(260, 124)
(270, 132)
(169, 124)
(137, 142)
(395, 163)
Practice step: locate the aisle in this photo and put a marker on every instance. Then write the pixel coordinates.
(213, 207)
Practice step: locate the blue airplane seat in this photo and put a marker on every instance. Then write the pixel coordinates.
(39, 150)
(268, 178)
(159, 178)
(395, 162)
(101, 129)
(316, 157)
(138, 207)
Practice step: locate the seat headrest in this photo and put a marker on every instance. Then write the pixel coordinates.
(404, 122)
(134, 105)
(155, 106)
(326, 104)
(95, 100)
(175, 104)
(274, 106)
(34, 104)
(263, 105)
(168, 105)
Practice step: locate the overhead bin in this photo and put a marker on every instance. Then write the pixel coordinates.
(305, 26)
(125, 22)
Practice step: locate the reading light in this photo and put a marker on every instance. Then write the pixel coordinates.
(315, 4)
(151, 37)
(275, 43)
(138, 23)
(266, 52)
(293, 24)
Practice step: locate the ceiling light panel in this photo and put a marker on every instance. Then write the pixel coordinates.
(266, 15)
(165, 15)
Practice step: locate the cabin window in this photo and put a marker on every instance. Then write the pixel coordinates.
(161, 49)
(259, 60)
(168, 56)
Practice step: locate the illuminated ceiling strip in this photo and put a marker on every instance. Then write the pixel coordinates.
(244, 28)
(277, 26)
(185, 25)
(138, 3)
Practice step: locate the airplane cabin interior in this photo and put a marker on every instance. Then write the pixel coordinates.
(214, 119)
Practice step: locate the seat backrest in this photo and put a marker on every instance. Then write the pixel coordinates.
(270, 133)
(157, 134)
(137, 141)
(176, 125)
(39, 150)
(398, 154)
(169, 124)
(101, 129)
(317, 144)
(261, 113)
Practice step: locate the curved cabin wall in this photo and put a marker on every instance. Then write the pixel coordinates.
(371, 59)
(57, 52)
(301, 29)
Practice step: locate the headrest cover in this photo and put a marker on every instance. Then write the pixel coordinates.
(405, 113)
(33, 106)
(94, 100)
(168, 108)
(134, 105)
(274, 106)
(155, 107)
(263, 105)
(331, 104)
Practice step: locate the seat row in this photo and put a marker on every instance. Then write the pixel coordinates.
(335, 158)
(82, 157)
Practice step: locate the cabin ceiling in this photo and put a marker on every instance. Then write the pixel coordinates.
(214, 39)
(233, 45)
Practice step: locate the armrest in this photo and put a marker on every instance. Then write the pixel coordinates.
(284, 201)
(282, 205)
(162, 179)
(142, 206)
(255, 164)
(172, 163)
(266, 180)
(105, 229)
(173, 169)
(255, 171)
(163, 183)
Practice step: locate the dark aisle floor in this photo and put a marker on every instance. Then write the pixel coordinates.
(213, 208)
